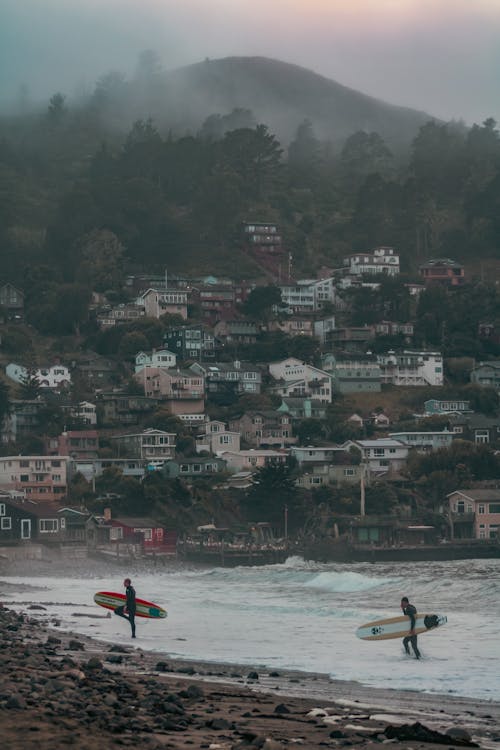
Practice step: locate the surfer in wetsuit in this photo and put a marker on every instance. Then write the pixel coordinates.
(129, 607)
(410, 611)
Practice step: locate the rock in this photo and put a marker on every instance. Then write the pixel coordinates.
(114, 659)
(281, 709)
(253, 676)
(94, 663)
(15, 701)
(76, 646)
(337, 734)
(161, 666)
(194, 691)
(458, 733)
(419, 733)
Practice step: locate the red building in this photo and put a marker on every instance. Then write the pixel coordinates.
(442, 271)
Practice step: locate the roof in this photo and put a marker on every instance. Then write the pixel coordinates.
(493, 494)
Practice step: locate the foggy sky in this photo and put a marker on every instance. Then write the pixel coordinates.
(441, 56)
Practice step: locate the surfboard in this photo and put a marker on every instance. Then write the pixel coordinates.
(398, 627)
(112, 600)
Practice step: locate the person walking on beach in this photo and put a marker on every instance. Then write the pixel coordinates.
(128, 609)
(410, 611)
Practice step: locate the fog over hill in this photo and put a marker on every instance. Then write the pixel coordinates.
(282, 95)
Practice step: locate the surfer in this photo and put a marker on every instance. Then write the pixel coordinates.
(410, 611)
(127, 611)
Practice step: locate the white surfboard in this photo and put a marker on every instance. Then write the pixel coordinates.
(399, 627)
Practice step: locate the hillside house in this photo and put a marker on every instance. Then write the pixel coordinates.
(193, 342)
(360, 374)
(230, 377)
(264, 429)
(251, 459)
(149, 445)
(158, 302)
(181, 391)
(381, 456)
(42, 478)
(296, 378)
(486, 374)
(156, 358)
(424, 442)
(54, 376)
(442, 271)
(12, 301)
(380, 260)
(411, 368)
(475, 513)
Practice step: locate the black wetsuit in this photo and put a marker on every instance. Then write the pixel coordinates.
(411, 612)
(131, 608)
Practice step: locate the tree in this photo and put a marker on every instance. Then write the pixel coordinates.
(4, 400)
(56, 110)
(101, 260)
(261, 301)
(272, 492)
(304, 155)
(254, 155)
(29, 385)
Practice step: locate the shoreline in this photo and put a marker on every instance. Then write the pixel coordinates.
(114, 695)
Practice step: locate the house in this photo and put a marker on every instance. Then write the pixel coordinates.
(295, 325)
(477, 428)
(149, 445)
(411, 368)
(388, 531)
(264, 429)
(307, 295)
(442, 271)
(85, 412)
(96, 371)
(303, 408)
(323, 327)
(192, 468)
(53, 376)
(381, 456)
(78, 444)
(236, 332)
(435, 406)
(158, 302)
(192, 342)
(143, 535)
(323, 474)
(350, 338)
(424, 442)
(30, 520)
(296, 378)
(360, 374)
(391, 328)
(218, 442)
(42, 478)
(21, 420)
(251, 459)
(230, 377)
(156, 358)
(486, 374)
(380, 260)
(123, 313)
(181, 391)
(217, 301)
(91, 469)
(305, 454)
(475, 513)
(118, 408)
(12, 301)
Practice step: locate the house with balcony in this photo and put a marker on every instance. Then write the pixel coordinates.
(381, 456)
(180, 391)
(355, 374)
(443, 271)
(349, 338)
(309, 454)
(92, 469)
(236, 332)
(149, 445)
(424, 442)
(393, 328)
(22, 419)
(264, 429)
(381, 260)
(218, 442)
(296, 378)
(475, 513)
(295, 325)
(42, 478)
(340, 471)
(156, 358)
(85, 412)
(119, 315)
(116, 408)
(411, 368)
(158, 302)
(486, 374)
(230, 377)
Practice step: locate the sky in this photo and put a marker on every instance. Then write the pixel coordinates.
(439, 56)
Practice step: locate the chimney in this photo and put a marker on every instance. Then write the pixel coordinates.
(107, 514)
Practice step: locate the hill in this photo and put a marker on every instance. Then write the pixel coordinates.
(282, 95)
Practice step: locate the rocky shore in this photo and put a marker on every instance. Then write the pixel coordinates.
(58, 689)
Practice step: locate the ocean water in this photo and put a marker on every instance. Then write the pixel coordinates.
(302, 616)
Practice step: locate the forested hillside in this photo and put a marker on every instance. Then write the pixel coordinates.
(176, 199)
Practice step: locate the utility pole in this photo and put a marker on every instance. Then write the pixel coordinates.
(286, 521)
(362, 491)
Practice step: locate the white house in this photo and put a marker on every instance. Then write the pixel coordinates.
(296, 378)
(55, 376)
(218, 442)
(308, 295)
(148, 445)
(380, 260)
(157, 302)
(380, 456)
(313, 454)
(411, 368)
(156, 358)
(85, 412)
(425, 442)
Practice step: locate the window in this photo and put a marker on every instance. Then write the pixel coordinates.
(56, 477)
(482, 436)
(49, 525)
(2, 509)
(6, 524)
(378, 452)
(24, 464)
(480, 509)
(348, 472)
(116, 533)
(494, 508)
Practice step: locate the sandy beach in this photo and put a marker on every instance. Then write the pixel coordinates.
(61, 689)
